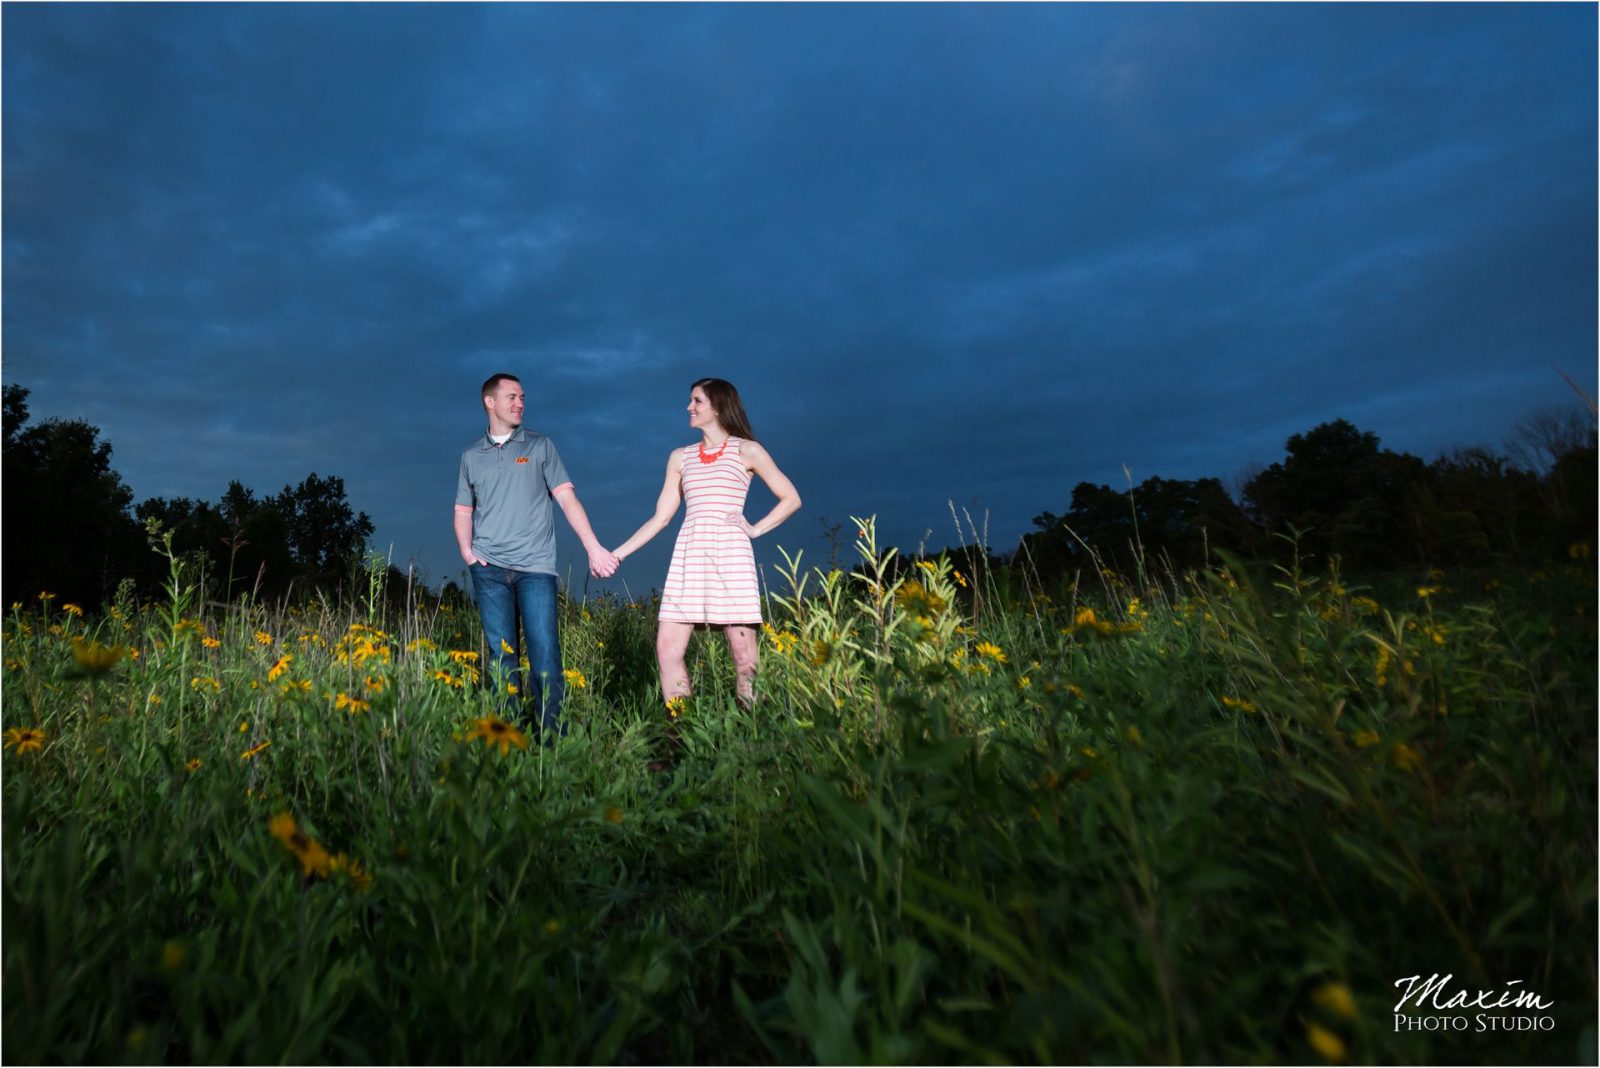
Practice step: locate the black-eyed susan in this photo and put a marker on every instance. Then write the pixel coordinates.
(96, 659)
(25, 739)
(1239, 703)
(187, 628)
(1329, 1046)
(314, 860)
(255, 750)
(991, 651)
(353, 705)
(353, 870)
(205, 684)
(279, 667)
(497, 732)
(575, 678)
(72, 610)
(211, 643)
(193, 765)
(263, 638)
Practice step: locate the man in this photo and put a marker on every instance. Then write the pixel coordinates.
(505, 529)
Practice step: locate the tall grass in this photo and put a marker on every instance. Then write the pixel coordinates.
(1211, 817)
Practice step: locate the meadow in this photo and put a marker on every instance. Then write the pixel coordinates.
(1151, 818)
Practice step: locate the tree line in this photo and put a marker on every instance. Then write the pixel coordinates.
(73, 527)
(1340, 493)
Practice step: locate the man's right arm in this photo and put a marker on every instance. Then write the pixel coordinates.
(464, 534)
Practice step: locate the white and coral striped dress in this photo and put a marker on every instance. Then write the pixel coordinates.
(713, 574)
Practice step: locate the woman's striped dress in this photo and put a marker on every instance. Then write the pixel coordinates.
(713, 574)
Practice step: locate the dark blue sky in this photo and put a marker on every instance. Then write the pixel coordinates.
(972, 253)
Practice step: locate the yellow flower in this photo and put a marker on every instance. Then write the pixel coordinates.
(210, 642)
(1335, 997)
(448, 679)
(575, 679)
(992, 651)
(183, 628)
(263, 638)
(359, 877)
(420, 643)
(354, 705)
(244, 726)
(1405, 757)
(172, 955)
(1325, 1042)
(72, 610)
(1234, 702)
(1024, 682)
(1578, 550)
(1426, 591)
(613, 814)
(193, 765)
(463, 656)
(46, 596)
(1075, 691)
(552, 927)
(155, 698)
(95, 658)
(314, 859)
(376, 683)
(1436, 634)
(1090, 751)
(201, 683)
(1084, 618)
(1133, 735)
(1364, 739)
(495, 731)
(675, 706)
(961, 580)
(24, 739)
(254, 750)
(505, 647)
(280, 666)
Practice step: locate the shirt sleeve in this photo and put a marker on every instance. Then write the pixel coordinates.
(555, 472)
(464, 496)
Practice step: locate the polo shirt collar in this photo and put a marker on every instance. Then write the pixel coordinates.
(519, 434)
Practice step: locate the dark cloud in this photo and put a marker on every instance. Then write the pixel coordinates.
(969, 253)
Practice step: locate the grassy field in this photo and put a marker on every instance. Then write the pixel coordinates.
(1204, 818)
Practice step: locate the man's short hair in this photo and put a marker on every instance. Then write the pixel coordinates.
(492, 383)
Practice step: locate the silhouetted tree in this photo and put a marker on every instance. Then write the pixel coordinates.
(68, 529)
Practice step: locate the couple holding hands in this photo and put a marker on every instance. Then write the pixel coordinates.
(505, 529)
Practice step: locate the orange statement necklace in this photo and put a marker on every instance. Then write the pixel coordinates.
(713, 457)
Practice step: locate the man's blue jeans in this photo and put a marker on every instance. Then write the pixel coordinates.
(503, 595)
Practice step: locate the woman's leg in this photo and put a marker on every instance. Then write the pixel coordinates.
(745, 648)
(672, 642)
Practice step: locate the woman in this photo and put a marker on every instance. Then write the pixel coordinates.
(712, 580)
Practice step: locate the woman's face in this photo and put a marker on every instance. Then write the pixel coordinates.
(701, 414)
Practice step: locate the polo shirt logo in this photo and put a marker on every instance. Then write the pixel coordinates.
(522, 459)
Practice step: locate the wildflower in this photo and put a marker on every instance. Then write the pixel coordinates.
(1405, 757)
(1434, 633)
(464, 656)
(821, 652)
(210, 642)
(1381, 671)
(244, 726)
(420, 643)
(24, 739)
(353, 870)
(1241, 705)
(1090, 751)
(1326, 1043)
(575, 678)
(495, 731)
(201, 683)
(183, 628)
(279, 666)
(1364, 739)
(354, 705)
(992, 651)
(292, 688)
(917, 598)
(1075, 691)
(254, 750)
(1024, 682)
(1335, 997)
(1084, 618)
(155, 698)
(505, 647)
(375, 683)
(613, 814)
(172, 955)
(72, 610)
(961, 580)
(675, 706)
(263, 638)
(552, 927)
(46, 596)
(1426, 591)
(94, 658)
(314, 859)
(448, 679)
(511, 689)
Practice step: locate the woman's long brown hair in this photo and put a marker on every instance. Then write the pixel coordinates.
(730, 410)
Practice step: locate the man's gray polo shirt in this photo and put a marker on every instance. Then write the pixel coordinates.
(508, 488)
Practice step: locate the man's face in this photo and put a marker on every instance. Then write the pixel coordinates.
(505, 403)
